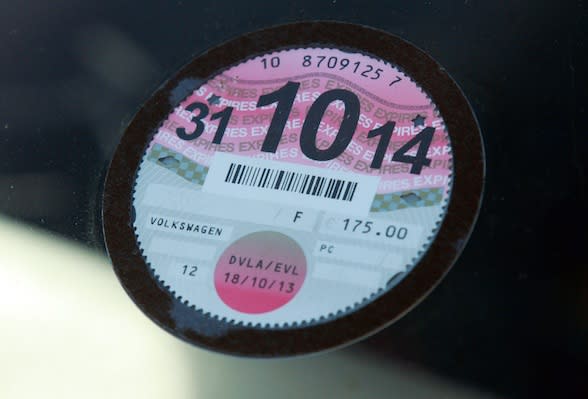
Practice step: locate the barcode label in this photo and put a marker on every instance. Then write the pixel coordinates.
(295, 182)
(282, 182)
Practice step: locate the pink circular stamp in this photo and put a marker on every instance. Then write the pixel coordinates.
(260, 272)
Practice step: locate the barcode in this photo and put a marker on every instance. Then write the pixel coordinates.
(288, 181)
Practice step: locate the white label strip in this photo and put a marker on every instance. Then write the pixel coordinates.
(215, 206)
(393, 262)
(189, 227)
(386, 260)
(348, 253)
(398, 234)
(346, 275)
(286, 183)
(182, 248)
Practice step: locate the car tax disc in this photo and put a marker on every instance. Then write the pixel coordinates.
(293, 190)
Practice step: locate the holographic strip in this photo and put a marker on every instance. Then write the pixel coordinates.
(407, 199)
(177, 163)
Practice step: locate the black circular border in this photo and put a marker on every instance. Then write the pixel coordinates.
(183, 322)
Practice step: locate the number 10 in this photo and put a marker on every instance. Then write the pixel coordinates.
(284, 97)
